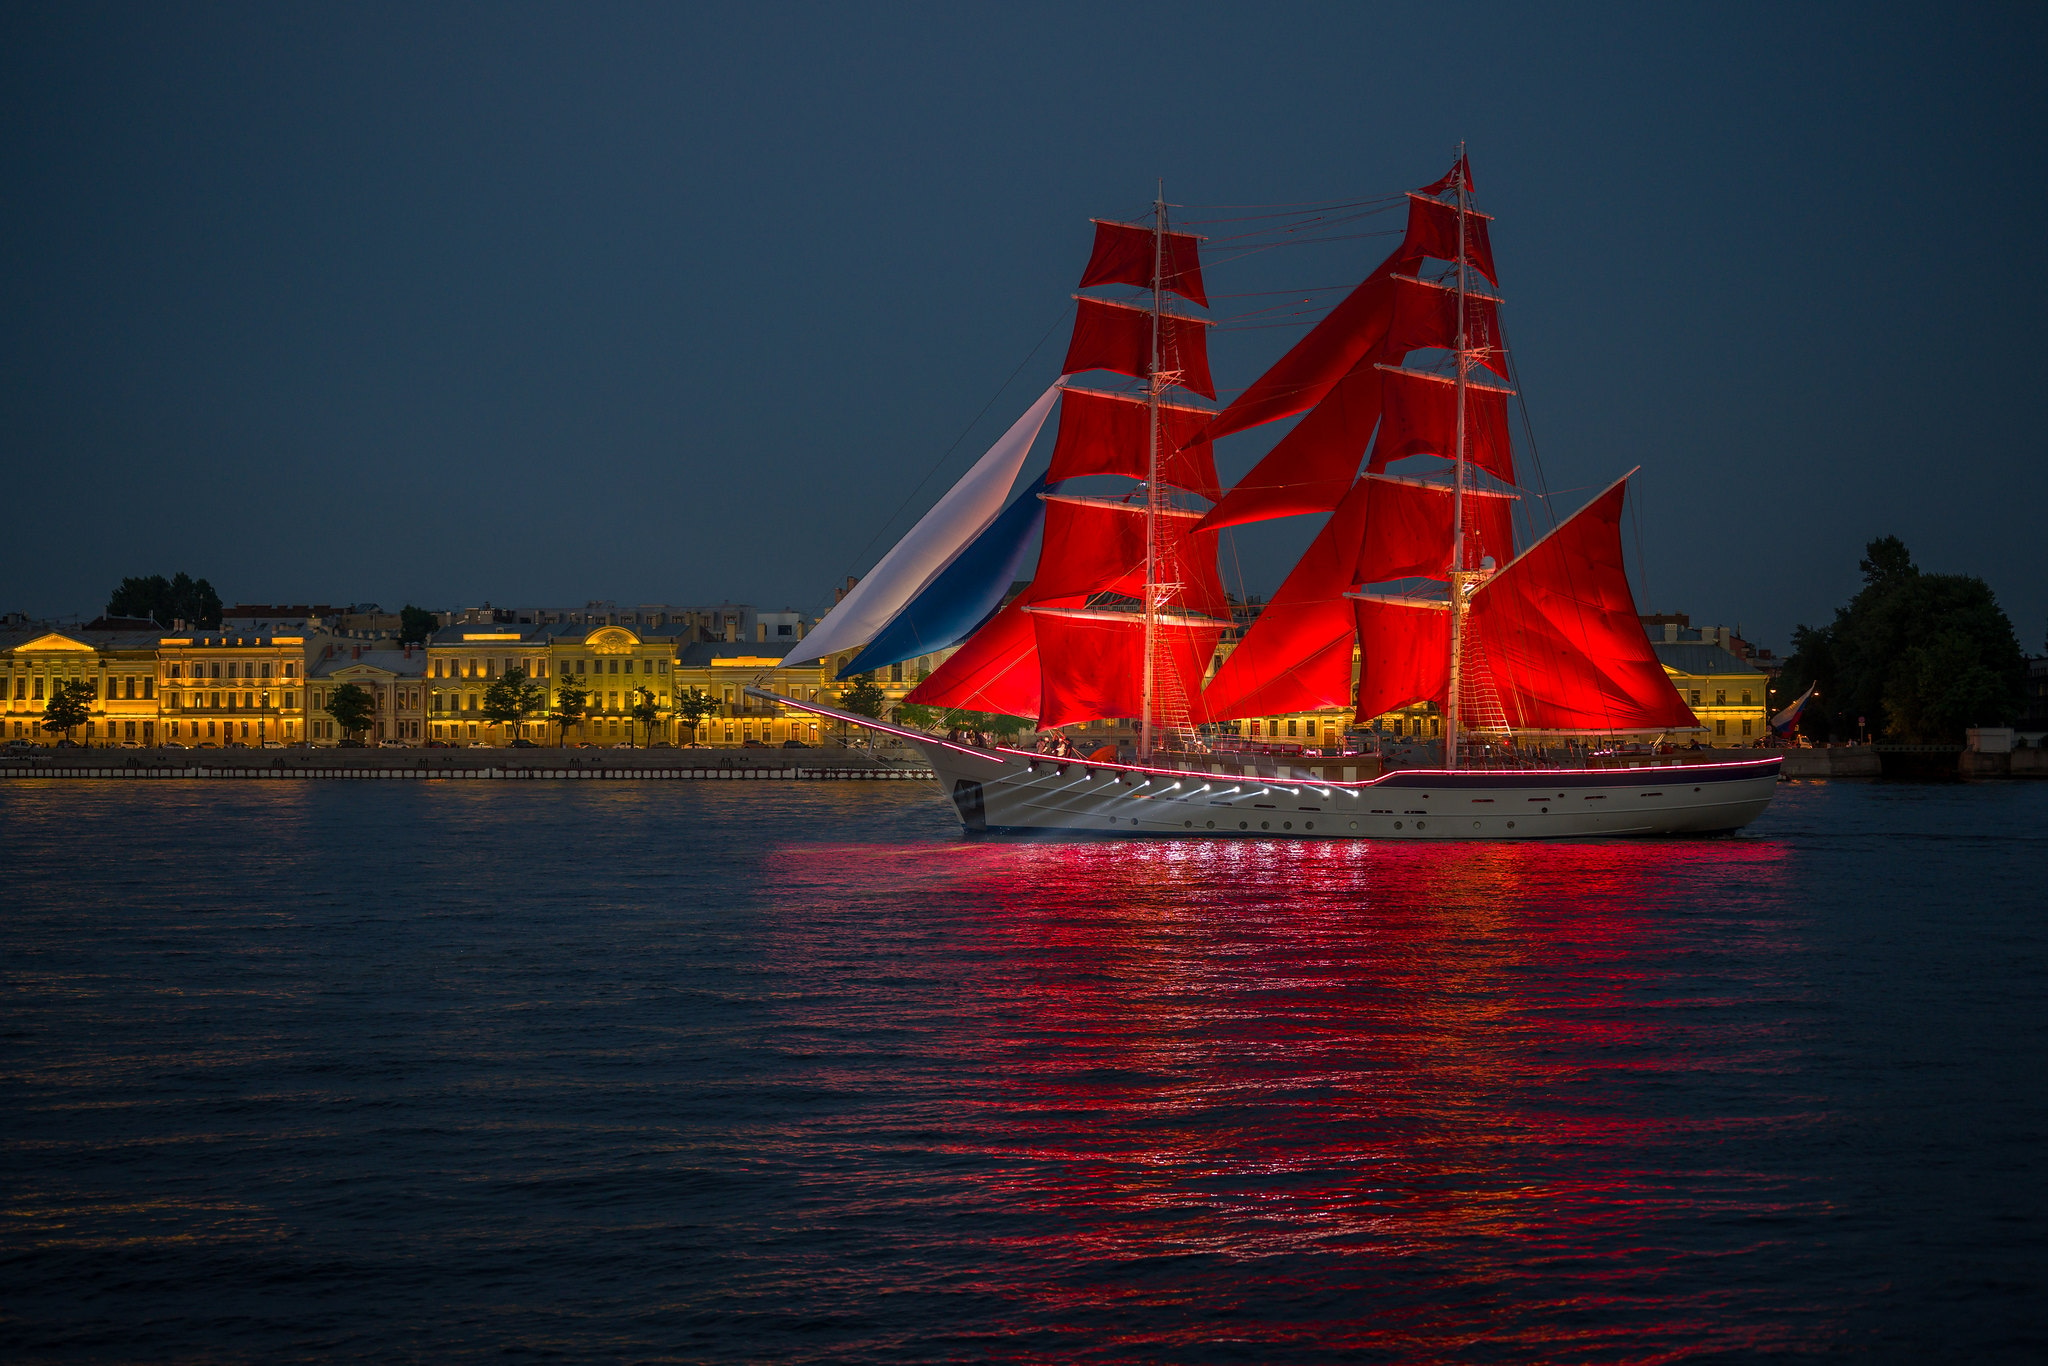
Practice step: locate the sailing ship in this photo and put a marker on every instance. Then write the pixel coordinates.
(1413, 591)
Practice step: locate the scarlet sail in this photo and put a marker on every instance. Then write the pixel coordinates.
(995, 671)
(1422, 419)
(1404, 653)
(1093, 545)
(1558, 634)
(1297, 655)
(1092, 664)
(1106, 434)
(1125, 252)
(1111, 336)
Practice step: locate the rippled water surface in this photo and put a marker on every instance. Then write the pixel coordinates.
(751, 1072)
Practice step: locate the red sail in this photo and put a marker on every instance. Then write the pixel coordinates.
(1297, 655)
(1422, 419)
(1313, 465)
(1426, 317)
(1433, 231)
(1404, 653)
(995, 671)
(1099, 547)
(1559, 638)
(1124, 256)
(1461, 170)
(1092, 664)
(1105, 434)
(1118, 337)
(1352, 332)
(1408, 530)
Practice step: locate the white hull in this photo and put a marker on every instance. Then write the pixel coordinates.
(1009, 791)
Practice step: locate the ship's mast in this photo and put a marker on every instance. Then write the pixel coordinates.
(1153, 501)
(1458, 594)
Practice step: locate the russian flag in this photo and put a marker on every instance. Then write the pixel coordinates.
(1785, 720)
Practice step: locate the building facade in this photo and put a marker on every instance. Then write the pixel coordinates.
(217, 691)
(395, 681)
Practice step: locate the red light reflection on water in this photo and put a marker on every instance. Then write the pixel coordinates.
(1421, 1094)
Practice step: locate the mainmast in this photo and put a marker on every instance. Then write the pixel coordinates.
(1460, 600)
(1153, 488)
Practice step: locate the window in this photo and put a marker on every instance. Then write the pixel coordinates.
(287, 668)
(615, 666)
(1745, 727)
(39, 687)
(1695, 697)
(1745, 702)
(1292, 726)
(266, 668)
(174, 670)
(1720, 728)
(1720, 697)
(785, 629)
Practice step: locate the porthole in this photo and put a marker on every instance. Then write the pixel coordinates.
(1287, 825)
(1212, 825)
(1354, 825)
(1265, 825)
(1308, 825)
(1511, 825)
(1475, 825)
(1244, 825)
(1134, 820)
(1189, 824)
(1397, 825)
(1546, 810)
(1420, 824)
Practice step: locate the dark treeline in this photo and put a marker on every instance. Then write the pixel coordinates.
(1918, 657)
(165, 601)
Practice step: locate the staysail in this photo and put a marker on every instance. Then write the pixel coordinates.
(939, 536)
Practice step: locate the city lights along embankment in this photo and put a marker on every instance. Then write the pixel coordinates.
(544, 764)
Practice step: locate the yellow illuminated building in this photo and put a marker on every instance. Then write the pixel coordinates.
(611, 664)
(462, 663)
(1724, 691)
(221, 690)
(119, 666)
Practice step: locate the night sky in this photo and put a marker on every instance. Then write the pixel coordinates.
(657, 304)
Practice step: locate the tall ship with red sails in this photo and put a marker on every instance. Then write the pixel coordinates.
(1414, 590)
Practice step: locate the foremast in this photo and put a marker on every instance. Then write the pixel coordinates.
(1155, 489)
(1461, 574)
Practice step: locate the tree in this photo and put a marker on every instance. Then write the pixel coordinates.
(570, 704)
(919, 716)
(863, 698)
(165, 601)
(692, 706)
(511, 698)
(415, 624)
(351, 707)
(69, 706)
(1920, 656)
(647, 710)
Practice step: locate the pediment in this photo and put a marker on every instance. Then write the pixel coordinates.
(55, 640)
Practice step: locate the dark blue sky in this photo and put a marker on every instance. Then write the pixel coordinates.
(655, 304)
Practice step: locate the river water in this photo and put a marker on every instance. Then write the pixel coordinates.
(751, 1072)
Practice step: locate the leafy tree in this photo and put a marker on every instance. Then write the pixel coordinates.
(571, 702)
(69, 705)
(692, 706)
(1920, 656)
(351, 707)
(863, 698)
(415, 624)
(646, 710)
(512, 697)
(993, 722)
(167, 600)
(918, 716)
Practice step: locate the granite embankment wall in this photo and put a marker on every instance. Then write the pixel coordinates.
(812, 765)
(1924, 762)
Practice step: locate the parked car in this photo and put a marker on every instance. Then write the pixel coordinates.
(173, 744)
(273, 744)
(439, 744)
(794, 744)
(391, 744)
(523, 743)
(18, 745)
(353, 744)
